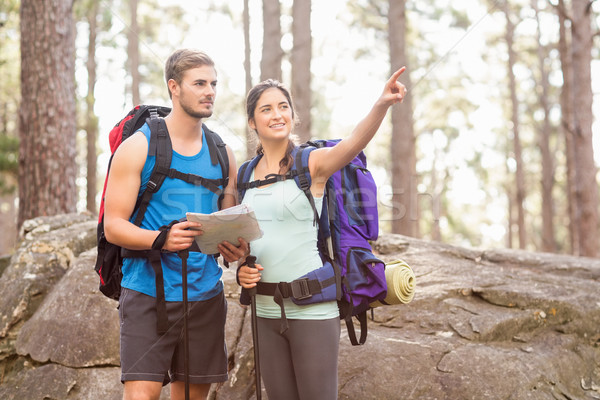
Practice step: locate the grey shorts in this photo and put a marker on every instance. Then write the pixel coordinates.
(147, 356)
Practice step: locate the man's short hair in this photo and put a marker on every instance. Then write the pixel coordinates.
(183, 59)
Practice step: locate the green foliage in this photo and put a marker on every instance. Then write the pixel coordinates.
(9, 163)
(9, 47)
(9, 154)
(222, 8)
(8, 7)
(9, 93)
(370, 14)
(154, 18)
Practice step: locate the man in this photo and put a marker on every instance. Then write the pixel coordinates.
(150, 359)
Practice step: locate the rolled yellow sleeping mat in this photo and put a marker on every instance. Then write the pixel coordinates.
(401, 283)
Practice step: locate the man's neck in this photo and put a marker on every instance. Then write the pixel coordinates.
(185, 133)
(183, 126)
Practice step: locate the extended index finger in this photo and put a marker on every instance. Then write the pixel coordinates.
(397, 74)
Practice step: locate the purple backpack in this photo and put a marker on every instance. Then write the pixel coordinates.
(351, 274)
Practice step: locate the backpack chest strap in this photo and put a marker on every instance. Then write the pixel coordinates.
(197, 180)
(269, 179)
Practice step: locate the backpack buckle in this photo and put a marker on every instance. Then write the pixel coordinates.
(300, 289)
(304, 185)
(151, 186)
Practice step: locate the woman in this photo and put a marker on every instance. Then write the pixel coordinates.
(300, 362)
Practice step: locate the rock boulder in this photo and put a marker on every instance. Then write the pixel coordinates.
(484, 324)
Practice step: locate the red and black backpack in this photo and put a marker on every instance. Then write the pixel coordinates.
(110, 256)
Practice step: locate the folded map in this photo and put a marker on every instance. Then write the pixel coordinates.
(226, 225)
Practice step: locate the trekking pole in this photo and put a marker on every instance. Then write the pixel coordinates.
(186, 341)
(250, 260)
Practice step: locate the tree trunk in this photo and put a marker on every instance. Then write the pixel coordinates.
(47, 127)
(250, 136)
(402, 152)
(585, 169)
(272, 54)
(548, 241)
(511, 218)
(568, 125)
(301, 59)
(519, 175)
(133, 53)
(91, 119)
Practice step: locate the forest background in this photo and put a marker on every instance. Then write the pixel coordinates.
(497, 144)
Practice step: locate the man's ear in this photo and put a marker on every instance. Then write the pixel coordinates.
(172, 85)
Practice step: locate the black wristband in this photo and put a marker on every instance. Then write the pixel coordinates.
(237, 272)
(161, 239)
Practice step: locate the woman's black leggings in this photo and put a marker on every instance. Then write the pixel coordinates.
(301, 363)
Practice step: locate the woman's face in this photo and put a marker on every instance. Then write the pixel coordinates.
(273, 116)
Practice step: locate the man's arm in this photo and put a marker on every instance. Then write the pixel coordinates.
(230, 192)
(122, 189)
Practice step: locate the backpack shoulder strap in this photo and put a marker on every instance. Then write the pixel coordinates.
(161, 147)
(218, 154)
(244, 174)
(217, 150)
(301, 174)
(215, 144)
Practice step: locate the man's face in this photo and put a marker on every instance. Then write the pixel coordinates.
(197, 91)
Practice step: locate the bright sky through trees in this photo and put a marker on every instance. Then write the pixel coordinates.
(349, 84)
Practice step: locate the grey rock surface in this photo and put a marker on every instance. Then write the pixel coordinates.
(74, 326)
(484, 324)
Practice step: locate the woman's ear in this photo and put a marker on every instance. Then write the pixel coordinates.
(251, 124)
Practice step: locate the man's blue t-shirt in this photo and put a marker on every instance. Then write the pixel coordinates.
(174, 198)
